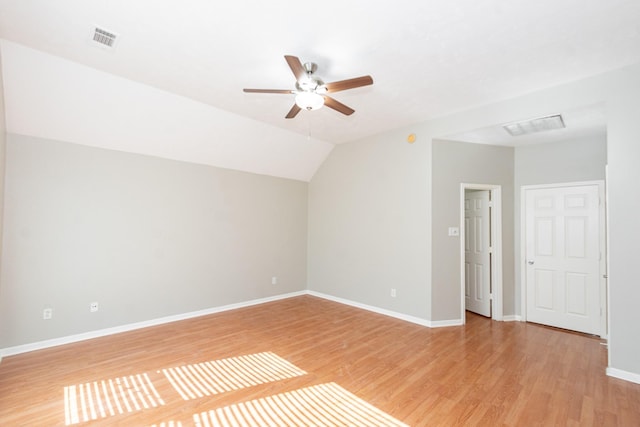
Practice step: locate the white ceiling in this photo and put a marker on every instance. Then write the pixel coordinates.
(427, 58)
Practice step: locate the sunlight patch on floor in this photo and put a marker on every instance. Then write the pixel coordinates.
(100, 399)
(219, 376)
(320, 405)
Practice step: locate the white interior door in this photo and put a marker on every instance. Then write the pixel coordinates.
(562, 255)
(477, 252)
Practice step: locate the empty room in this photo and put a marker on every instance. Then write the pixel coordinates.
(319, 214)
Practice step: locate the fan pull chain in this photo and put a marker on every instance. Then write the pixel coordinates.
(308, 127)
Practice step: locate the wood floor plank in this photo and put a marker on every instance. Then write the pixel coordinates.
(485, 373)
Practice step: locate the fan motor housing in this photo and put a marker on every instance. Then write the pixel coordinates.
(310, 83)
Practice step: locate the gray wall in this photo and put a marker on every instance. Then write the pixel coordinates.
(144, 237)
(455, 163)
(3, 149)
(623, 154)
(583, 159)
(368, 224)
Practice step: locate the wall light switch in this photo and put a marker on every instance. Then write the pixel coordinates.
(454, 231)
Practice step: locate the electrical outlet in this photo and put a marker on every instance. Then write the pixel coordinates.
(47, 313)
(274, 280)
(93, 307)
(393, 292)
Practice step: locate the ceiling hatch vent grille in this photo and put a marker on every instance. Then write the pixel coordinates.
(540, 124)
(104, 38)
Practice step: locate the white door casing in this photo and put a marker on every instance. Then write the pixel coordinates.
(477, 252)
(563, 253)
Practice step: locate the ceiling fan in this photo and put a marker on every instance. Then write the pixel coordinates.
(311, 91)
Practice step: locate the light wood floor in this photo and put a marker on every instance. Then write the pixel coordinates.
(485, 373)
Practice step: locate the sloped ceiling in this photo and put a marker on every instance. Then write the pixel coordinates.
(427, 59)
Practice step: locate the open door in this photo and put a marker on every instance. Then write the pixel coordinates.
(477, 254)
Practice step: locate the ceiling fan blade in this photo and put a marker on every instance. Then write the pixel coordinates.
(296, 66)
(338, 106)
(349, 84)
(293, 112)
(267, 91)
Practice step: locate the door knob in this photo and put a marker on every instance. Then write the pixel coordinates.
(530, 262)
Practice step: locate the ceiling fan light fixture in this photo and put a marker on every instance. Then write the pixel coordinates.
(310, 92)
(309, 100)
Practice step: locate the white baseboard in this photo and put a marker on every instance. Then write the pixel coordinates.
(623, 375)
(9, 351)
(445, 323)
(512, 318)
(401, 316)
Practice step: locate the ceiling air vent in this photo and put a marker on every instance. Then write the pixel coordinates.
(535, 125)
(104, 37)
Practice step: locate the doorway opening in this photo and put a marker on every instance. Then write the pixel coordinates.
(491, 245)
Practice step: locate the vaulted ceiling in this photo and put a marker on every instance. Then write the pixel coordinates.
(427, 58)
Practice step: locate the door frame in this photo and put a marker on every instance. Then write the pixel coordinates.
(495, 192)
(602, 280)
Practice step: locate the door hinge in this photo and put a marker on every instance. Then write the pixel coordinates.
(491, 296)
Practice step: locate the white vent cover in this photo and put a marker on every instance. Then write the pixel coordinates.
(104, 38)
(535, 125)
